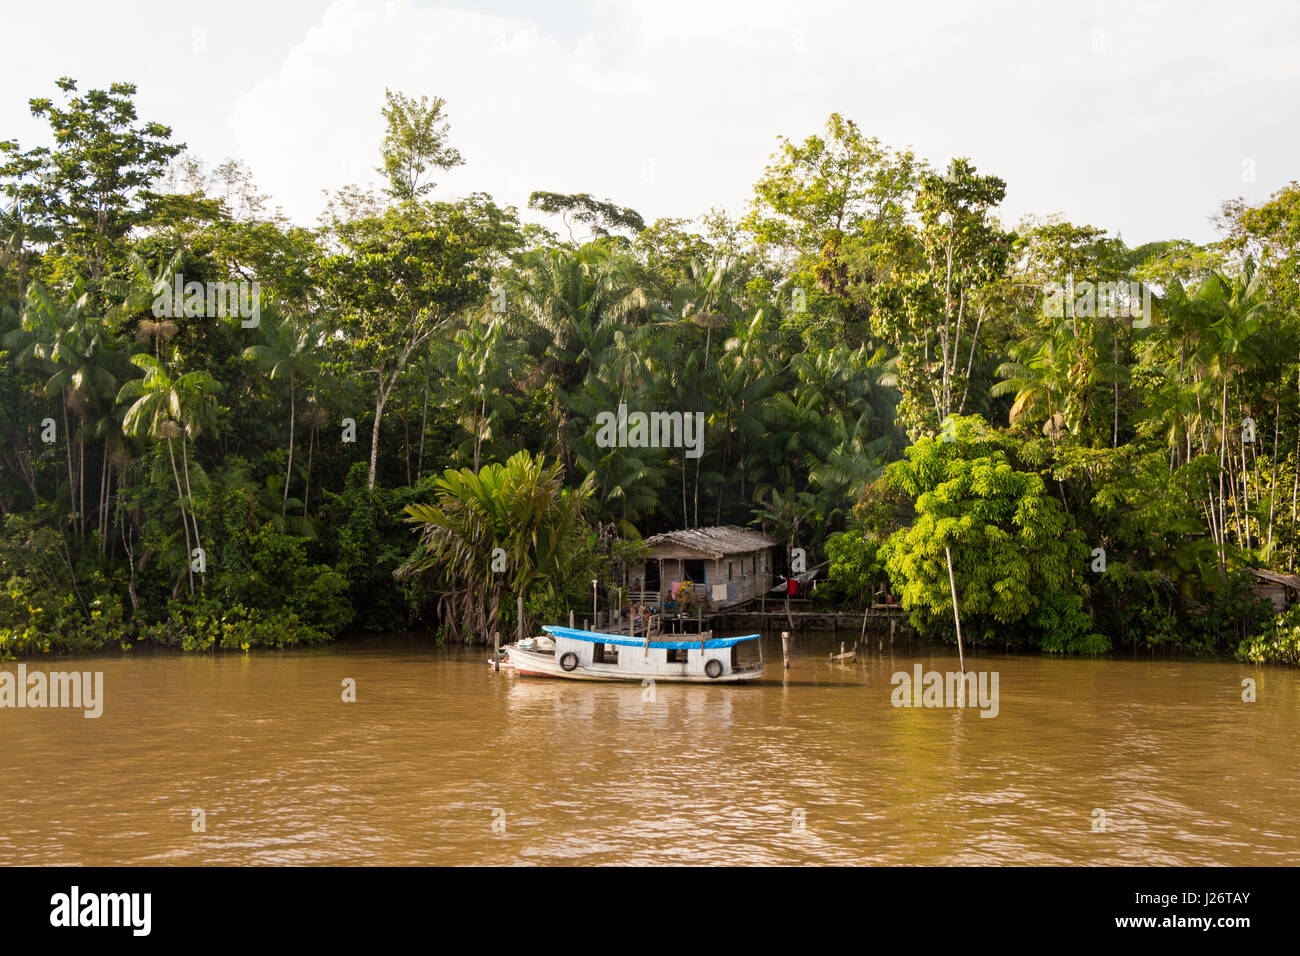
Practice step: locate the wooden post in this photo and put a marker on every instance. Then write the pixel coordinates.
(520, 607)
(593, 602)
(785, 648)
(952, 584)
(570, 618)
(496, 651)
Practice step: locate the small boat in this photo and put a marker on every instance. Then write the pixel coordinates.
(594, 655)
(844, 655)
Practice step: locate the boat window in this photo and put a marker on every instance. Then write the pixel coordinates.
(604, 653)
(677, 655)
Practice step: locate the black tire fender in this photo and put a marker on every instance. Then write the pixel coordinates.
(568, 661)
(713, 667)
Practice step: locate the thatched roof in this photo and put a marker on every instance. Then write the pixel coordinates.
(714, 542)
(1286, 580)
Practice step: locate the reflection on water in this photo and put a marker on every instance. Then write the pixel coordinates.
(810, 765)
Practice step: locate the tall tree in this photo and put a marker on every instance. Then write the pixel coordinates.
(416, 140)
(84, 195)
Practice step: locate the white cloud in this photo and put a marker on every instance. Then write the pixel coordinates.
(1132, 118)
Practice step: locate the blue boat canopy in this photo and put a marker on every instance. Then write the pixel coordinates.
(595, 637)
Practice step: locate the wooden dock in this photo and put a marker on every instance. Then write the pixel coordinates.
(888, 617)
(881, 616)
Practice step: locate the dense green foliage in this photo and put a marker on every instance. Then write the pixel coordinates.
(1015, 558)
(887, 375)
(1279, 643)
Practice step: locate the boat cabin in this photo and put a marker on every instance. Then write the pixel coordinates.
(592, 655)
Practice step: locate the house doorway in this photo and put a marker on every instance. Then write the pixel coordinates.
(652, 575)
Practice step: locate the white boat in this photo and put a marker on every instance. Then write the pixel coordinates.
(594, 655)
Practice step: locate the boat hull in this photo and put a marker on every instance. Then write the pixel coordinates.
(530, 664)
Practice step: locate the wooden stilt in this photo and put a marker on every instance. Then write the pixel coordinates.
(785, 648)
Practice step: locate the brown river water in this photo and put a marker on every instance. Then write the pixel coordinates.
(442, 761)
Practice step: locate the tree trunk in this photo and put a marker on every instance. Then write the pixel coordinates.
(1114, 441)
(311, 446)
(130, 581)
(704, 371)
(1272, 484)
(424, 424)
(81, 483)
(185, 463)
(478, 431)
(686, 515)
(101, 524)
(185, 522)
(374, 437)
(293, 419)
(1295, 487)
(726, 451)
(67, 441)
(381, 399)
(1223, 449)
(406, 444)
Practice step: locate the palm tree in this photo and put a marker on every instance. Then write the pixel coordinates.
(521, 507)
(1038, 377)
(707, 299)
(1238, 306)
(59, 340)
(293, 354)
(163, 407)
(570, 303)
(481, 366)
(746, 380)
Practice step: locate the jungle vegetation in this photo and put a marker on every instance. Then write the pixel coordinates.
(888, 373)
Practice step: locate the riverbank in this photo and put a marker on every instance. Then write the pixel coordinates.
(884, 635)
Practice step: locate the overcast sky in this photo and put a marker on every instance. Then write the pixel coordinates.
(1138, 117)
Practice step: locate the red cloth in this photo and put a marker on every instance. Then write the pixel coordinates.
(792, 587)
